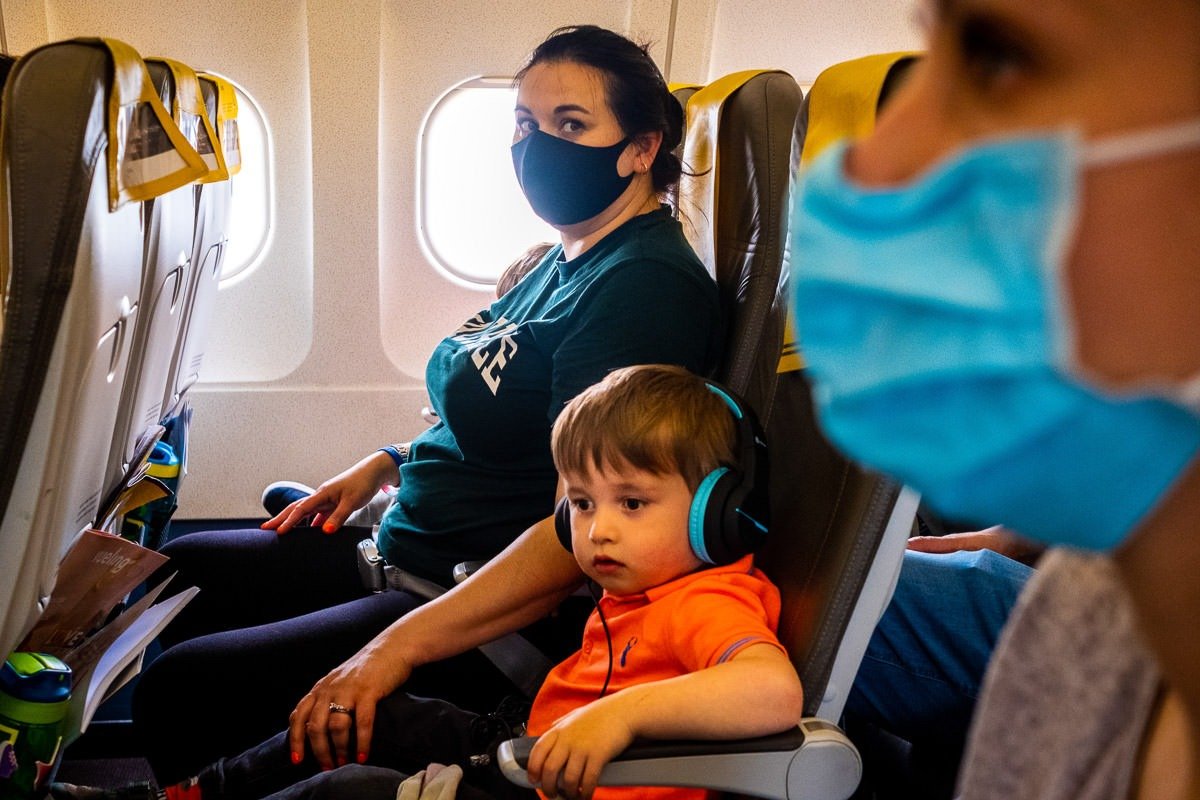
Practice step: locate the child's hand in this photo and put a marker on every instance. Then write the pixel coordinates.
(571, 754)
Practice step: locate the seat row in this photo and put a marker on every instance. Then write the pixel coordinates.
(838, 531)
(114, 179)
(114, 174)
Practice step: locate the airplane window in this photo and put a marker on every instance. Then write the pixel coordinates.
(252, 204)
(473, 219)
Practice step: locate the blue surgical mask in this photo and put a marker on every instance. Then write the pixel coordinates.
(933, 321)
(567, 182)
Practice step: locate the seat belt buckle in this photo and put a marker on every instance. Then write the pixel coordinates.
(370, 566)
(378, 575)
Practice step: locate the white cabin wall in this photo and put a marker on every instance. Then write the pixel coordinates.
(263, 331)
(804, 37)
(318, 356)
(25, 25)
(691, 49)
(344, 398)
(263, 47)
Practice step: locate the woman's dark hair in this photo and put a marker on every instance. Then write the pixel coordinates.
(636, 90)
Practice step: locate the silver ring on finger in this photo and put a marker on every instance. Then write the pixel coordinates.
(338, 708)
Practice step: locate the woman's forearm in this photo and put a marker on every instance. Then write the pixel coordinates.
(522, 584)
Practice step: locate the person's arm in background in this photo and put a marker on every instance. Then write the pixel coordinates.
(996, 538)
(522, 584)
(1160, 566)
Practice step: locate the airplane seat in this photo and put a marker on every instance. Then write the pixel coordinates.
(837, 538)
(213, 195)
(822, 491)
(168, 222)
(734, 206)
(78, 150)
(682, 92)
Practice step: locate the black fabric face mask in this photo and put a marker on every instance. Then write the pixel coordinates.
(565, 182)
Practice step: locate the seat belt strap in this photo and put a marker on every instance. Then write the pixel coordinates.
(512, 654)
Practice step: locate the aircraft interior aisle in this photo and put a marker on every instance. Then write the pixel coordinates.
(344, 197)
(770, 398)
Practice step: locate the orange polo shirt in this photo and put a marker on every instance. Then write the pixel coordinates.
(697, 621)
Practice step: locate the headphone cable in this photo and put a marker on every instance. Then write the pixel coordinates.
(592, 590)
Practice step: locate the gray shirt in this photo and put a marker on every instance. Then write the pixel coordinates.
(1068, 693)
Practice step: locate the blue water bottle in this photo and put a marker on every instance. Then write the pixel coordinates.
(147, 524)
(35, 690)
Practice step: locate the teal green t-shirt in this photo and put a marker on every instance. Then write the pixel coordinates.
(483, 474)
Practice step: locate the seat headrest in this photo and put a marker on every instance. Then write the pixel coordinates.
(148, 155)
(843, 103)
(705, 111)
(683, 93)
(844, 100)
(187, 108)
(733, 204)
(227, 122)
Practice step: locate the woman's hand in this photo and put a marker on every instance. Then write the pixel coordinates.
(343, 702)
(570, 755)
(338, 497)
(996, 539)
(522, 584)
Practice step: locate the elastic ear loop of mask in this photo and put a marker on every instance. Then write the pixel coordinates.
(1120, 148)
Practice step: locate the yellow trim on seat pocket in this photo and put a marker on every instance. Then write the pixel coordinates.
(192, 118)
(227, 123)
(148, 155)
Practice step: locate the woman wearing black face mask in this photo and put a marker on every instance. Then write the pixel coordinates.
(595, 126)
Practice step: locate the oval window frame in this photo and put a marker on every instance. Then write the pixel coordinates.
(485, 273)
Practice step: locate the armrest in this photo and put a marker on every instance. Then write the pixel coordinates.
(812, 760)
(465, 569)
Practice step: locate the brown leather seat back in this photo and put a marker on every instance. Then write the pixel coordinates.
(838, 530)
(734, 207)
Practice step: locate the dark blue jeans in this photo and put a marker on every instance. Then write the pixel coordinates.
(925, 663)
(276, 613)
(273, 616)
(409, 734)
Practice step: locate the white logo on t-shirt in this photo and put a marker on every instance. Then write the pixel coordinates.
(477, 335)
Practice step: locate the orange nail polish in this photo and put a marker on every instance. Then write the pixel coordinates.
(328, 527)
(296, 757)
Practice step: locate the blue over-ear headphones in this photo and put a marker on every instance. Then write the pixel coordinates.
(730, 511)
